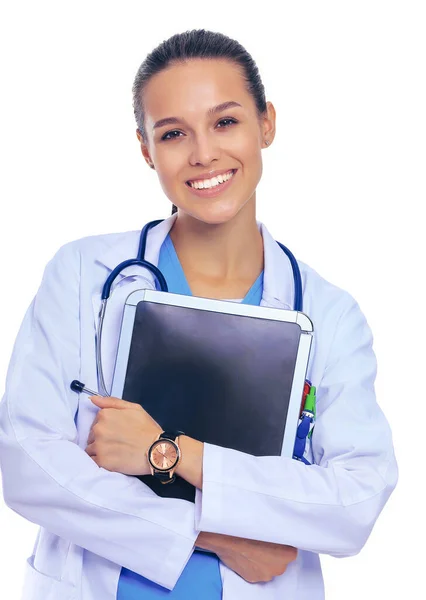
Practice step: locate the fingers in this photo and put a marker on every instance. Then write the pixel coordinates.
(112, 402)
(91, 437)
(104, 402)
(90, 450)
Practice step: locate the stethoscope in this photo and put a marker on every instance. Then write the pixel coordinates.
(140, 260)
(307, 419)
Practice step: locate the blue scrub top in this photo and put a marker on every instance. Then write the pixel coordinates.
(201, 575)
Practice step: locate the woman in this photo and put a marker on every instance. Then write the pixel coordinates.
(67, 459)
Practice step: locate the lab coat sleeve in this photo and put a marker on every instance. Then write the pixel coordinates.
(329, 507)
(47, 477)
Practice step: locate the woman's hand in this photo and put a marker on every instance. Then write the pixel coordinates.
(121, 435)
(252, 560)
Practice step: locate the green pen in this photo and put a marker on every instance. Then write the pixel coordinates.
(310, 405)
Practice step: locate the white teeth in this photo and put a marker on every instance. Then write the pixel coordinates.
(209, 183)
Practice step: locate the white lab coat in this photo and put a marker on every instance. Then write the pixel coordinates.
(93, 521)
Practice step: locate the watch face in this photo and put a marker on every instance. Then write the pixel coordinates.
(163, 455)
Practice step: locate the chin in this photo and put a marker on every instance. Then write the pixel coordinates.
(212, 213)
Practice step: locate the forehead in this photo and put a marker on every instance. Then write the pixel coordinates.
(190, 89)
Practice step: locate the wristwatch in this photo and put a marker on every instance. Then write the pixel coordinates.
(164, 456)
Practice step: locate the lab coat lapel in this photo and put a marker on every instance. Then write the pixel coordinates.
(278, 281)
(126, 246)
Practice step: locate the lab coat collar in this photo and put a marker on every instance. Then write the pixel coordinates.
(126, 246)
(278, 283)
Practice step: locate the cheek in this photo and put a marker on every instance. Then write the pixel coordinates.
(252, 146)
(251, 161)
(169, 167)
(245, 148)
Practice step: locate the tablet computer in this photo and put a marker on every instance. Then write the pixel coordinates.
(225, 373)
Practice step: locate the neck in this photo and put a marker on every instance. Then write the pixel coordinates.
(226, 251)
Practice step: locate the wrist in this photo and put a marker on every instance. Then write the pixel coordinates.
(214, 542)
(190, 466)
(206, 541)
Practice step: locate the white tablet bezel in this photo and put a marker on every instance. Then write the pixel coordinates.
(222, 306)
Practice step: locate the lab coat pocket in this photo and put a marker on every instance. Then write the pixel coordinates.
(38, 586)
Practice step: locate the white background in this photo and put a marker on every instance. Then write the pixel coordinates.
(343, 187)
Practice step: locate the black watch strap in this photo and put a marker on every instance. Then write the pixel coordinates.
(164, 477)
(171, 435)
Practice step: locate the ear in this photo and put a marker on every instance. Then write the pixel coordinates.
(268, 123)
(144, 150)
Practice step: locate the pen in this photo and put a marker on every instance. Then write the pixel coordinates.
(79, 387)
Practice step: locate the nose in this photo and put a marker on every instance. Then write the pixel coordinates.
(205, 149)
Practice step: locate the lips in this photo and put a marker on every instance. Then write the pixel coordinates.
(214, 191)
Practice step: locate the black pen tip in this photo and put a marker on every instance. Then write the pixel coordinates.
(76, 386)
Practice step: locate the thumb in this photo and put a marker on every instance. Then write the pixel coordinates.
(111, 402)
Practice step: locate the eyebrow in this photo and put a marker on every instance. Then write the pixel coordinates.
(212, 111)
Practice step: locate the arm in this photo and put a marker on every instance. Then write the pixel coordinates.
(331, 506)
(47, 477)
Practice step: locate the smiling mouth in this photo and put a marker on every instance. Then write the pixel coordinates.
(229, 174)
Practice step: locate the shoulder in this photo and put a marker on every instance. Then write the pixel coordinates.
(89, 248)
(94, 244)
(342, 335)
(337, 316)
(321, 295)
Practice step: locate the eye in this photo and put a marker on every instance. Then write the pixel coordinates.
(231, 121)
(166, 137)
